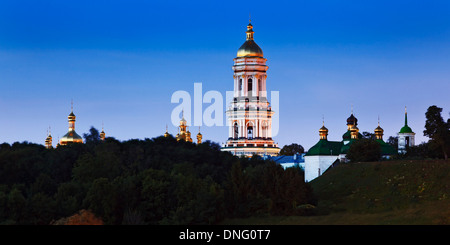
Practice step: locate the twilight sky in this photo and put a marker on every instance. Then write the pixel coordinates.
(121, 61)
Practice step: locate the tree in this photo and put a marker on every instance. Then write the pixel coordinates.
(393, 141)
(101, 200)
(437, 130)
(92, 137)
(364, 150)
(16, 205)
(290, 150)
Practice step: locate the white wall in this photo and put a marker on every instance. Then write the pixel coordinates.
(316, 165)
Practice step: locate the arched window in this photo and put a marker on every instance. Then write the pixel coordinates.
(264, 129)
(259, 85)
(240, 85)
(250, 83)
(250, 132)
(235, 130)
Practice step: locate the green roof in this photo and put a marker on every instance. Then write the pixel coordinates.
(406, 129)
(344, 148)
(325, 147)
(334, 148)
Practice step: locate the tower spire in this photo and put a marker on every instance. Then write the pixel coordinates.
(249, 31)
(102, 134)
(166, 134)
(406, 117)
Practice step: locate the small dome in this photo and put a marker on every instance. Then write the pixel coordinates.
(71, 137)
(352, 120)
(406, 129)
(249, 48)
(379, 129)
(323, 129)
(71, 116)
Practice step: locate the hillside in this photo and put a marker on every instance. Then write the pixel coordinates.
(388, 192)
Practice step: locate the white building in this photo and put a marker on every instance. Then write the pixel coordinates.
(405, 136)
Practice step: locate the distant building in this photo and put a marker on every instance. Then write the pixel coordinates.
(184, 133)
(405, 136)
(250, 114)
(102, 135)
(71, 136)
(297, 160)
(49, 140)
(325, 153)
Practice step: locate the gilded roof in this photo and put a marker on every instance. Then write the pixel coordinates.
(249, 49)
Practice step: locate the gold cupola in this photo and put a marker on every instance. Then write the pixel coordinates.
(184, 133)
(102, 134)
(354, 132)
(71, 136)
(323, 132)
(199, 137)
(379, 131)
(49, 140)
(249, 48)
(166, 134)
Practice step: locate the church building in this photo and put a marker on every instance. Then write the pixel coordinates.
(49, 140)
(250, 114)
(326, 153)
(184, 133)
(405, 136)
(71, 136)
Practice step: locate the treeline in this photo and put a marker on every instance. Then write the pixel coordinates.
(151, 181)
(438, 147)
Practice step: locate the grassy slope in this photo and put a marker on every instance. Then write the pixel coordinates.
(389, 192)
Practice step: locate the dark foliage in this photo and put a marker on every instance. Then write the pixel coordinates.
(151, 181)
(437, 130)
(292, 149)
(364, 150)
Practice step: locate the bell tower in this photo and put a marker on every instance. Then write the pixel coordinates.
(405, 136)
(250, 115)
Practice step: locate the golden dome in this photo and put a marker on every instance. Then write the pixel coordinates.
(323, 132)
(323, 129)
(102, 135)
(249, 48)
(379, 129)
(71, 137)
(71, 116)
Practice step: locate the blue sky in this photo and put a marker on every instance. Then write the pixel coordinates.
(121, 61)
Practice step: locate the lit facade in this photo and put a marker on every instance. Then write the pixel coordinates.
(71, 136)
(250, 114)
(49, 140)
(184, 133)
